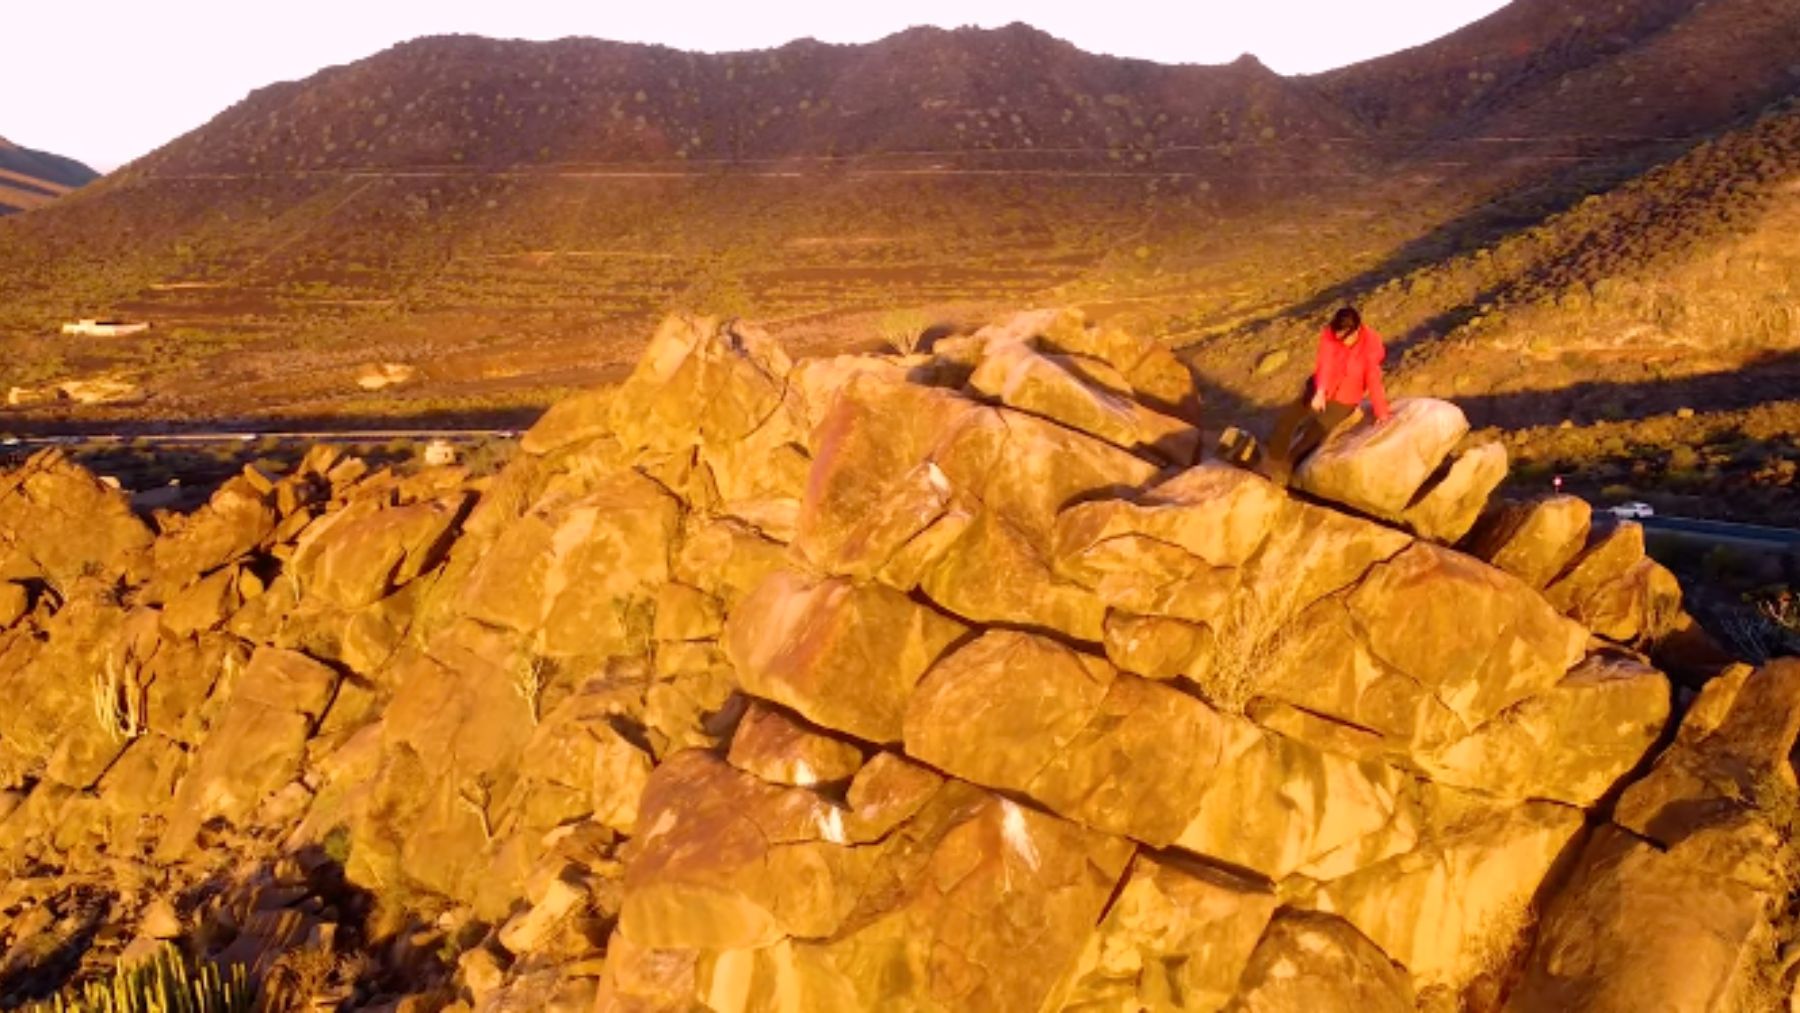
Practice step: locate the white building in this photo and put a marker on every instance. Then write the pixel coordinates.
(104, 328)
(439, 453)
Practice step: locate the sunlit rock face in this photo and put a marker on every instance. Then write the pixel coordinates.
(941, 682)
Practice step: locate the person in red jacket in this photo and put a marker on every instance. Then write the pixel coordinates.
(1348, 369)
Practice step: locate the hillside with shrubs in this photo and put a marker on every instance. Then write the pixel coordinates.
(505, 218)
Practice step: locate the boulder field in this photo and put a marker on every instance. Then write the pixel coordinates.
(954, 681)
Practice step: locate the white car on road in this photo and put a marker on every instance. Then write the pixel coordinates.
(1633, 511)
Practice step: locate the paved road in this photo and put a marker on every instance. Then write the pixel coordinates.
(309, 436)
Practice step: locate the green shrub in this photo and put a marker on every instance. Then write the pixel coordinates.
(337, 845)
(902, 329)
(162, 984)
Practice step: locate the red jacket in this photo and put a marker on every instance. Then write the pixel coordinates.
(1346, 373)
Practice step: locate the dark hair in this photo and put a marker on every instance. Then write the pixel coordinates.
(1346, 321)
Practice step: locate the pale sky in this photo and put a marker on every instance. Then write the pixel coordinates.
(109, 80)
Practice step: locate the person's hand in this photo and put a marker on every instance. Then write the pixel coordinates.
(1318, 401)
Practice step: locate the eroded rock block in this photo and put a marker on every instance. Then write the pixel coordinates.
(1617, 591)
(1638, 928)
(1315, 962)
(580, 577)
(1446, 510)
(1674, 906)
(740, 888)
(1379, 470)
(1094, 399)
(1178, 937)
(256, 747)
(845, 656)
(58, 522)
(1571, 743)
(1446, 910)
(780, 749)
(1140, 759)
(1534, 540)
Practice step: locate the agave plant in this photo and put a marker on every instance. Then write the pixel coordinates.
(163, 983)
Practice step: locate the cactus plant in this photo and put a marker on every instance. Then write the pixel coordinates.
(164, 983)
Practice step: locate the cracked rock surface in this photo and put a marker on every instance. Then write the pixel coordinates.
(940, 682)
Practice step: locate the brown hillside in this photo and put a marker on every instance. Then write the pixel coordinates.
(1686, 269)
(505, 217)
(464, 101)
(1568, 68)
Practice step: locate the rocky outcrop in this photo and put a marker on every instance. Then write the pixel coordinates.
(1600, 577)
(58, 523)
(1083, 394)
(937, 682)
(1673, 905)
(1618, 591)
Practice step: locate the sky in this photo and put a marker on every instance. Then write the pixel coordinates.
(109, 80)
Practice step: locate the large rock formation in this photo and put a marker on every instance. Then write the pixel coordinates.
(1599, 576)
(1673, 904)
(940, 682)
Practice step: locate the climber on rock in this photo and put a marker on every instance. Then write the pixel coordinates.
(1348, 369)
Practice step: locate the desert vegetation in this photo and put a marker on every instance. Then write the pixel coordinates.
(1740, 465)
(165, 982)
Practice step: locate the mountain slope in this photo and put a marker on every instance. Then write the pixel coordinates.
(1686, 270)
(30, 179)
(1625, 65)
(507, 216)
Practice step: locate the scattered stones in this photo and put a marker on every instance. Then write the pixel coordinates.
(101, 388)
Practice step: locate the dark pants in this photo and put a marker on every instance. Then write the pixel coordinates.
(1299, 431)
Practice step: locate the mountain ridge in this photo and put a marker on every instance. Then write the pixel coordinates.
(466, 100)
(30, 179)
